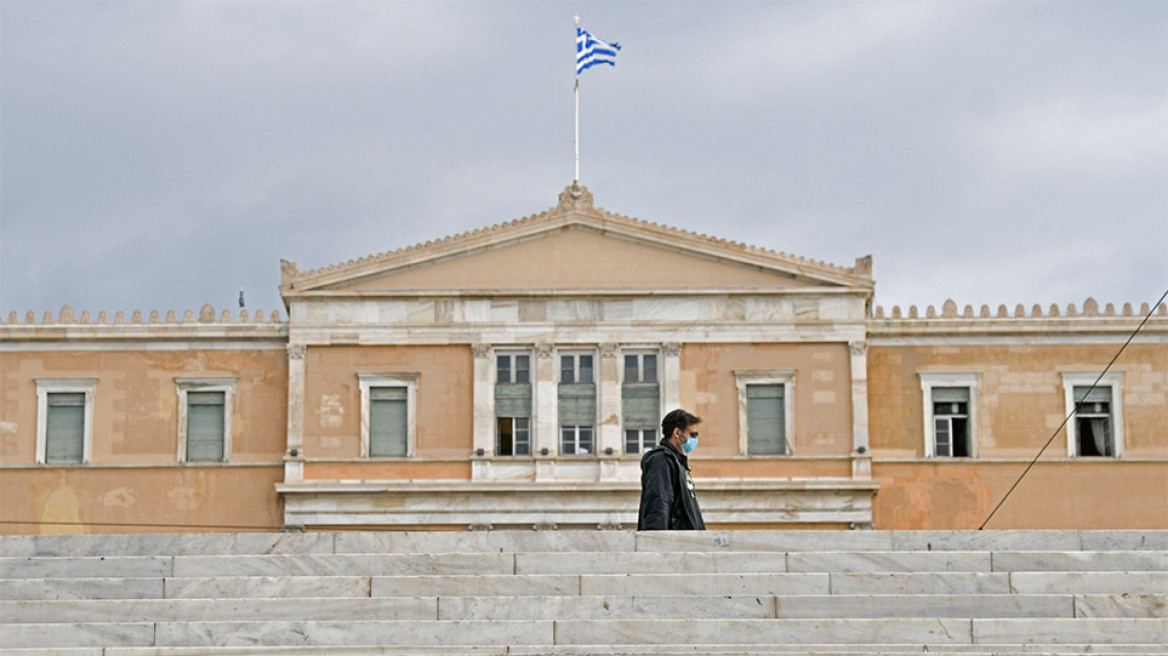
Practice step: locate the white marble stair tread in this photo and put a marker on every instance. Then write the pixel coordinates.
(1089, 582)
(327, 633)
(485, 541)
(95, 634)
(269, 587)
(940, 631)
(218, 610)
(88, 566)
(345, 564)
(1080, 561)
(166, 544)
(81, 588)
(761, 606)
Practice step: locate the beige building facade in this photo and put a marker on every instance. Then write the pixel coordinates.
(511, 378)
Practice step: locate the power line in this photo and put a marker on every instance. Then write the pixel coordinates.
(1030, 466)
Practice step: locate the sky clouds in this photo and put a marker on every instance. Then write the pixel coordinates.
(163, 155)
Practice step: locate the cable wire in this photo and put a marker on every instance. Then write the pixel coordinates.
(1075, 410)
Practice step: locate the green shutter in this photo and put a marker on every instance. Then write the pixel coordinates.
(577, 404)
(950, 395)
(65, 427)
(513, 400)
(205, 418)
(765, 421)
(641, 405)
(1101, 394)
(388, 422)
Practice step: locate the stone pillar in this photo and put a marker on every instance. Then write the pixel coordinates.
(861, 457)
(671, 373)
(294, 452)
(609, 431)
(546, 429)
(483, 428)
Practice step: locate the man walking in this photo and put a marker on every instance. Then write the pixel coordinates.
(668, 498)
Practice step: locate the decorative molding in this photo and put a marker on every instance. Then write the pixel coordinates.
(671, 348)
(481, 350)
(545, 350)
(575, 198)
(858, 349)
(609, 349)
(297, 351)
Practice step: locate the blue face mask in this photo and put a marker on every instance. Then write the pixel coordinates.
(689, 445)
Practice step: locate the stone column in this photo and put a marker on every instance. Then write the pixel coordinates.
(861, 457)
(294, 453)
(483, 428)
(609, 398)
(671, 373)
(546, 428)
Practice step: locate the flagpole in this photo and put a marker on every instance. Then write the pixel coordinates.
(576, 180)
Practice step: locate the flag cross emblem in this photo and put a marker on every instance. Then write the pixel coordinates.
(591, 51)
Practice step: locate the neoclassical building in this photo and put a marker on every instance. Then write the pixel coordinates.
(511, 377)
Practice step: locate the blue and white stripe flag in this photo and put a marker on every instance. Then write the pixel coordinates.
(591, 51)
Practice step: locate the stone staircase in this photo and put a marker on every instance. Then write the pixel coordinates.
(586, 592)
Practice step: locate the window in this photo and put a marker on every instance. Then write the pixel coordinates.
(387, 414)
(765, 402)
(950, 413)
(640, 401)
(513, 404)
(577, 404)
(65, 419)
(204, 418)
(1096, 427)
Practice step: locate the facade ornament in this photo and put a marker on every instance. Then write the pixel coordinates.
(481, 350)
(858, 349)
(609, 349)
(672, 349)
(576, 197)
(288, 270)
(297, 351)
(544, 350)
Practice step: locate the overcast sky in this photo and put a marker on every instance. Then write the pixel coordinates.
(161, 155)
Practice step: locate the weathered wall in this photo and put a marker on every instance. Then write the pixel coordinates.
(1054, 495)
(1020, 399)
(445, 399)
(822, 404)
(134, 476)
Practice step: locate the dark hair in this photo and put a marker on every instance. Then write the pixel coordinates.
(678, 419)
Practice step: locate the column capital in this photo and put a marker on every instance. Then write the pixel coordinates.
(297, 351)
(858, 348)
(671, 348)
(545, 350)
(609, 349)
(481, 350)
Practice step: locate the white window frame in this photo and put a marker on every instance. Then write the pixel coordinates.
(46, 386)
(1114, 380)
(931, 379)
(368, 380)
(784, 377)
(575, 355)
(640, 352)
(225, 384)
(531, 366)
(594, 426)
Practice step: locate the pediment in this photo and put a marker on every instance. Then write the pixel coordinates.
(574, 247)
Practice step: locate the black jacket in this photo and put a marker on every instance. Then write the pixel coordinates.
(668, 498)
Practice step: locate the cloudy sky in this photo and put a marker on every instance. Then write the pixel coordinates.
(161, 155)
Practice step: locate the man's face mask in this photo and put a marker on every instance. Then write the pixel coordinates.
(691, 443)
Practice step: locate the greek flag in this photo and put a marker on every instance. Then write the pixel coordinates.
(591, 51)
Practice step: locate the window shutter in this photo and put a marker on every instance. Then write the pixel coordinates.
(513, 400)
(65, 427)
(1101, 394)
(766, 425)
(641, 405)
(950, 395)
(388, 422)
(577, 404)
(205, 415)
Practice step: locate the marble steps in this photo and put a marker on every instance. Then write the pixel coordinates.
(617, 650)
(839, 606)
(555, 633)
(574, 541)
(486, 564)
